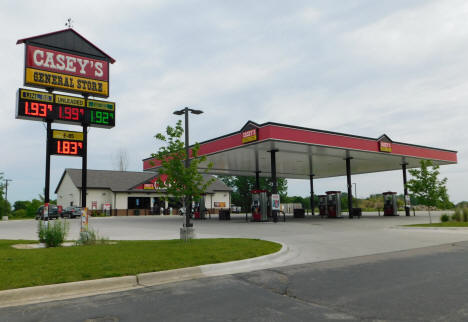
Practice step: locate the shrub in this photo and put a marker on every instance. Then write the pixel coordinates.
(458, 215)
(91, 237)
(444, 218)
(465, 214)
(54, 234)
(96, 213)
(20, 213)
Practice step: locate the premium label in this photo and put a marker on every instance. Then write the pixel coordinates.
(101, 105)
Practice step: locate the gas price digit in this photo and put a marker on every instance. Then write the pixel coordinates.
(37, 109)
(100, 117)
(70, 113)
(69, 147)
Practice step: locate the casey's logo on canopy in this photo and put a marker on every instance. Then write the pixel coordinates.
(249, 136)
(385, 146)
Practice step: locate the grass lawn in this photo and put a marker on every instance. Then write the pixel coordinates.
(31, 267)
(442, 224)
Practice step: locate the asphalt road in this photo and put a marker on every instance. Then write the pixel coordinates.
(427, 284)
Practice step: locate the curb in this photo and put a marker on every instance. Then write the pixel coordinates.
(452, 229)
(246, 265)
(174, 275)
(46, 293)
(54, 292)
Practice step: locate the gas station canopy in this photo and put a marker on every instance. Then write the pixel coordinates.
(302, 152)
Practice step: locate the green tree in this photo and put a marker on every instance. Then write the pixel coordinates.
(181, 181)
(5, 207)
(243, 185)
(21, 204)
(427, 188)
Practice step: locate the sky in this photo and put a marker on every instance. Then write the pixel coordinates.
(358, 67)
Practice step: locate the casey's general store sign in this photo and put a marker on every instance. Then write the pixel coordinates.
(48, 68)
(249, 136)
(385, 146)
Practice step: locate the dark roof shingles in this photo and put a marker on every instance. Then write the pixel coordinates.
(126, 180)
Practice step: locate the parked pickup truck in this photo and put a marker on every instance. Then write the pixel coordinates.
(71, 212)
(53, 212)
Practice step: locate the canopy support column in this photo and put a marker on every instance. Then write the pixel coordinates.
(273, 171)
(405, 189)
(312, 202)
(350, 190)
(257, 180)
(274, 189)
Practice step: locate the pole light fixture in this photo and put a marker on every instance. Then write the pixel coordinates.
(188, 199)
(186, 109)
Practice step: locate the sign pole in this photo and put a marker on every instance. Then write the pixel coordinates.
(84, 173)
(84, 166)
(47, 174)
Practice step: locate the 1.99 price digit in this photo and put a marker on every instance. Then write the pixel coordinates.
(70, 113)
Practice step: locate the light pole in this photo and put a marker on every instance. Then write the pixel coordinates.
(188, 199)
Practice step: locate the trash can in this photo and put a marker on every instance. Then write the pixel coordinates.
(224, 214)
(357, 212)
(136, 212)
(299, 213)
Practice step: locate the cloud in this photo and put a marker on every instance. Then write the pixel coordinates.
(358, 67)
(414, 35)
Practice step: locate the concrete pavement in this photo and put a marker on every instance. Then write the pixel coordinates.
(306, 240)
(309, 240)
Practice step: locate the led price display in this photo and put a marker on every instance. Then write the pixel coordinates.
(66, 143)
(101, 117)
(40, 106)
(64, 147)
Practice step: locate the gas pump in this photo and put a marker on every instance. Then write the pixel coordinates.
(199, 210)
(323, 211)
(334, 204)
(390, 204)
(196, 211)
(202, 207)
(259, 205)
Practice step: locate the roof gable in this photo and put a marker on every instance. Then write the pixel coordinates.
(249, 126)
(108, 179)
(384, 138)
(68, 40)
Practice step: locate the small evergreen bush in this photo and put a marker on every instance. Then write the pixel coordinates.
(54, 234)
(444, 218)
